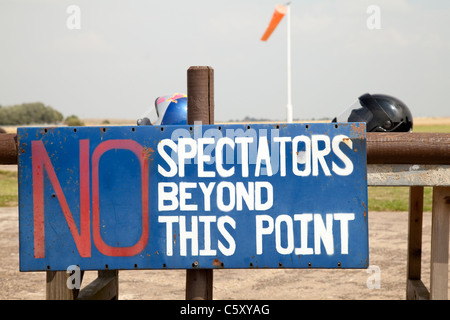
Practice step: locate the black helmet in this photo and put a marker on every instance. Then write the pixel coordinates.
(380, 112)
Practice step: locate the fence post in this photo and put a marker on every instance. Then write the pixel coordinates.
(415, 289)
(56, 286)
(439, 243)
(200, 92)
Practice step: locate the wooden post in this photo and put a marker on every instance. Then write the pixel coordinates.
(199, 284)
(56, 286)
(105, 287)
(415, 289)
(439, 243)
(200, 92)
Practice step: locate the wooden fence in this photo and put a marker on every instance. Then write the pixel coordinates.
(415, 160)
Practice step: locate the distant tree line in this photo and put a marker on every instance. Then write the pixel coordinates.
(29, 113)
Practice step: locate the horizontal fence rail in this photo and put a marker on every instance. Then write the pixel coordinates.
(382, 148)
(408, 148)
(8, 148)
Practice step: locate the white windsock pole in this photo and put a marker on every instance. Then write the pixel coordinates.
(280, 12)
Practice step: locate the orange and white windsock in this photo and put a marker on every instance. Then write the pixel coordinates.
(279, 13)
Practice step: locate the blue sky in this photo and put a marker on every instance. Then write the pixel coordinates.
(127, 53)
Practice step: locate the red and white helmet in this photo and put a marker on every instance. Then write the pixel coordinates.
(168, 110)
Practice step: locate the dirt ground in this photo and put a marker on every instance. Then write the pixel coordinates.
(387, 251)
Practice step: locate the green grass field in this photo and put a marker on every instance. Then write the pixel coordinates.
(433, 129)
(380, 198)
(395, 198)
(8, 188)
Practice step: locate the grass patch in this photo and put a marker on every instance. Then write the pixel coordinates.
(8, 189)
(432, 129)
(395, 198)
